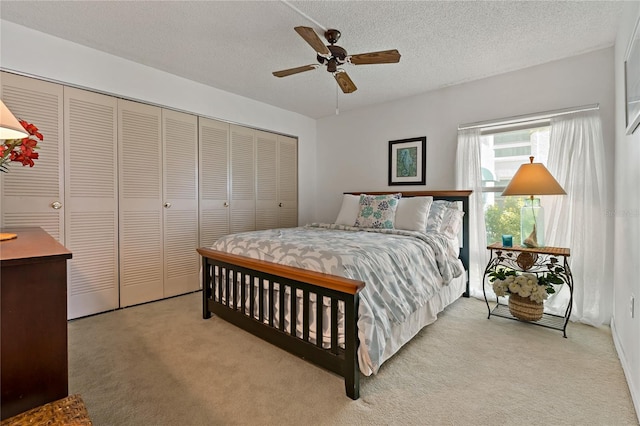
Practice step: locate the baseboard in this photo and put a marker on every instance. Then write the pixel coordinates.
(634, 388)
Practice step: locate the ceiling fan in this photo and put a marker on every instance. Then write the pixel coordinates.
(333, 56)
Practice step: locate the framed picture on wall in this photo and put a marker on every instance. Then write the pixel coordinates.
(632, 81)
(408, 161)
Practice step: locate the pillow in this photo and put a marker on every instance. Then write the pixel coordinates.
(411, 213)
(436, 214)
(451, 222)
(377, 211)
(349, 210)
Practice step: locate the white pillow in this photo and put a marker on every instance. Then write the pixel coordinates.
(451, 222)
(349, 210)
(411, 213)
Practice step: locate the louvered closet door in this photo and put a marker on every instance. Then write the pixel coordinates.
(140, 202)
(287, 182)
(29, 193)
(91, 204)
(243, 175)
(181, 260)
(214, 180)
(266, 180)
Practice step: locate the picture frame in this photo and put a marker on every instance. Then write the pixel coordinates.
(632, 82)
(408, 161)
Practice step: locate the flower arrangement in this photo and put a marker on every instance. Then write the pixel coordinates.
(21, 150)
(530, 286)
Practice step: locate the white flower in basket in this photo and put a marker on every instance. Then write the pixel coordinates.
(529, 289)
(525, 285)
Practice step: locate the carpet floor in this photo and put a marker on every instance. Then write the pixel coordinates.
(162, 364)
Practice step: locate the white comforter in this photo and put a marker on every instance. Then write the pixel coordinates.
(401, 269)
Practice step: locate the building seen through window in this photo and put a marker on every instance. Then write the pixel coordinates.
(503, 151)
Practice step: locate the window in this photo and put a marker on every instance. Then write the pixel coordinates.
(503, 150)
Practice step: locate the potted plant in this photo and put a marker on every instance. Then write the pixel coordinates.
(527, 291)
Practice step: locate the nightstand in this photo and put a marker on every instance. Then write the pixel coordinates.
(536, 261)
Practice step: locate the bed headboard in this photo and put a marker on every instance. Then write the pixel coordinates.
(453, 195)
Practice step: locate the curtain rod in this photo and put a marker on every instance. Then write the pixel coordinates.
(528, 117)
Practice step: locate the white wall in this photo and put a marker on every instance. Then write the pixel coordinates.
(37, 54)
(626, 330)
(353, 146)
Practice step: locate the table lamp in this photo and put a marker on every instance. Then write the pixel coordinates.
(532, 179)
(10, 127)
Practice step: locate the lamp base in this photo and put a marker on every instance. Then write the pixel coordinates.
(532, 240)
(532, 224)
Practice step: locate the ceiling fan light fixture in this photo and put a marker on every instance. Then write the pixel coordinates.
(332, 65)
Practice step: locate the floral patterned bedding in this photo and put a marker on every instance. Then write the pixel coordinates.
(401, 269)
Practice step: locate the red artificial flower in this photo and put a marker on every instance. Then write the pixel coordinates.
(33, 130)
(21, 150)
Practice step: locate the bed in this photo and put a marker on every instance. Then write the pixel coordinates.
(343, 297)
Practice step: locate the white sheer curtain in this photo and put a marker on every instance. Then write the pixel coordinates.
(577, 220)
(469, 176)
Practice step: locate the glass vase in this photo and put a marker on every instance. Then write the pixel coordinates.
(532, 224)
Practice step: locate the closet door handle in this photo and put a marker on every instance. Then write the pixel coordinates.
(226, 204)
(280, 205)
(57, 205)
(167, 205)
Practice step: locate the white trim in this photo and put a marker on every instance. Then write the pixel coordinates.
(527, 117)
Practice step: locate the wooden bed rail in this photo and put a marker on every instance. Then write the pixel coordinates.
(229, 291)
(333, 282)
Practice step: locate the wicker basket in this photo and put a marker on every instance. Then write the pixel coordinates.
(66, 411)
(524, 308)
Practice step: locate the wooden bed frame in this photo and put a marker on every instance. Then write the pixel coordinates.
(267, 276)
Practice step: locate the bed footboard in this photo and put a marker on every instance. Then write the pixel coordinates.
(275, 302)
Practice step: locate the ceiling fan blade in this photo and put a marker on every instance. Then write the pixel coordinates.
(345, 82)
(290, 71)
(383, 57)
(311, 37)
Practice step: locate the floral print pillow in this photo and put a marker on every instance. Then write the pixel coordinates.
(377, 211)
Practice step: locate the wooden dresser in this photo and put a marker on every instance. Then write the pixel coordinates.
(33, 303)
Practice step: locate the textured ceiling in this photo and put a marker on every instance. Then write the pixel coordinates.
(235, 45)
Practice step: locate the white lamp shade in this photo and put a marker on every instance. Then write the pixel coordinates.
(533, 179)
(10, 127)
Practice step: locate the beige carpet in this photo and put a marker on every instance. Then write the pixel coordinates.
(162, 364)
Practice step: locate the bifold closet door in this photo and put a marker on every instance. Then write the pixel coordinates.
(140, 202)
(34, 196)
(243, 179)
(266, 180)
(214, 180)
(287, 182)
(91, 202)
(180, 214)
